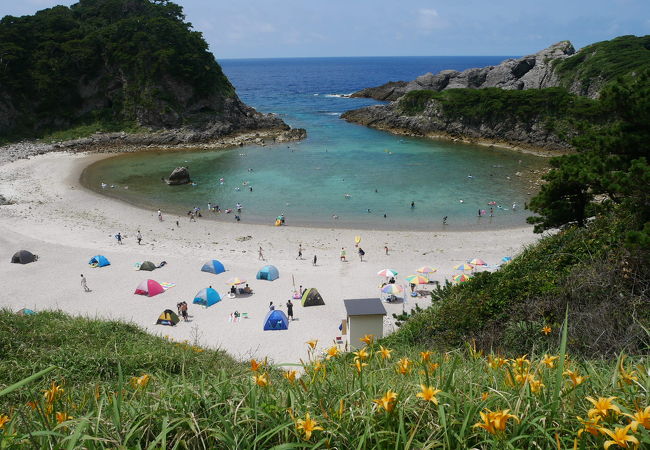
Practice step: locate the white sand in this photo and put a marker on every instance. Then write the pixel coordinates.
(65, 224)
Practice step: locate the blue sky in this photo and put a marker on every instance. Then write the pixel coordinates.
(296, 28)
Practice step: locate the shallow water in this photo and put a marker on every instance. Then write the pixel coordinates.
(307, 181)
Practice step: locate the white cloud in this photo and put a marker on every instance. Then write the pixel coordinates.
(429, 20)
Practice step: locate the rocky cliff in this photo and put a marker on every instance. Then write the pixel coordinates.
(530, 72)
(434, 122)
(119, 64)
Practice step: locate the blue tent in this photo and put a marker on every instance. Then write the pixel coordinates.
(268, 273)
(213, 266)
(276, 320)
(207, 297)
(99, 261)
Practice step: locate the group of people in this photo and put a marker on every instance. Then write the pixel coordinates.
(289, 308)
(119, 237)
(182, 310)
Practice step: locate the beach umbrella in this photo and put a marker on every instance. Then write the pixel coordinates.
(387, 273)
(464, 266)
(392, 289)
(426, 269)
(478, 262)
(235, 280)
(461, 278)
(417, 279)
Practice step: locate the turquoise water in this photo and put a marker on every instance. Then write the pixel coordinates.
(307, 181)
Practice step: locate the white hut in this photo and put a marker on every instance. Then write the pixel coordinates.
(364, 316)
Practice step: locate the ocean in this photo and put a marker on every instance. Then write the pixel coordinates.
(342, 175)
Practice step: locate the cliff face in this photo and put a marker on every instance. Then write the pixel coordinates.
(530, 72)
(132, 62)
(433, 121)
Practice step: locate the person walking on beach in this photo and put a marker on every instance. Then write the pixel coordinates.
(139, 237)
(299, 252)
(84, 285)
(386, 249)
(361, 253)
(271, 307)
(314, 262)
(160, 215)
(260, 255)
(290, 309)
(343, 254)
(118, 236)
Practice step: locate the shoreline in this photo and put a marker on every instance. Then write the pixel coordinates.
(66, 224)
(484, 142)
(224, 218)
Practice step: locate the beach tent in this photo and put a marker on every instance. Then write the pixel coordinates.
(168, 317)
(268, 273)
(99, 261)
(207, 297)
(214, 267)
(25, 312)
(147, 265)
(276, 320)
(311, 297)
(23, 257)
(149, 288)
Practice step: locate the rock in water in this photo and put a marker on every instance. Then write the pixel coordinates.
(180, 175)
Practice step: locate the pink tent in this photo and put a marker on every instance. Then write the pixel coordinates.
(149, 288)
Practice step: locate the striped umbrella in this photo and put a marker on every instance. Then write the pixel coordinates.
(464, 266)
(461, 278)
(235, 280)
(426, 269)
(478, 262)
(417, 279)
(392, 289)
(387, 273)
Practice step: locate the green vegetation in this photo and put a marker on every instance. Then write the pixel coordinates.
(125, 389)
(558, 111)
(494, 105)
(104, 62)
(600, 63)
(585, 269)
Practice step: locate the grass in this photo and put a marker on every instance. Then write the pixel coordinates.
(603, 62)
(157, 394)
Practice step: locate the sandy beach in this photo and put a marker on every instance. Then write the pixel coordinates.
(66, 224)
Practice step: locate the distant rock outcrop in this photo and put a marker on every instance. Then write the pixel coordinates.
(179, 175)
(530, 72)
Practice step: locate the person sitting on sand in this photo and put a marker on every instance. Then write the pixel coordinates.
(247, 289)
(271, 307)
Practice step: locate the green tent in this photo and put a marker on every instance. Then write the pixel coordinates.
(168, 317)
(147, 265)
(311, 297)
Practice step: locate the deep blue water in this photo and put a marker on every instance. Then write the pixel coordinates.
(307, 181)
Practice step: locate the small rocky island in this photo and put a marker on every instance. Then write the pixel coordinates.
(180, 175)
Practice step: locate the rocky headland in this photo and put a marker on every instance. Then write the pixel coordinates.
(534, 71)
(538, 102)
(131, 65)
